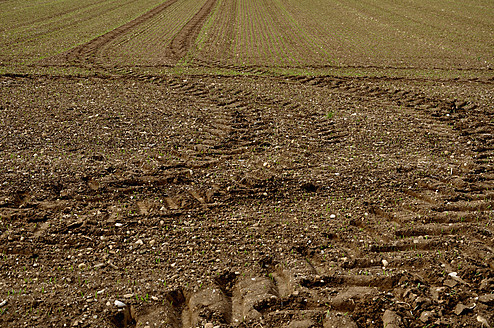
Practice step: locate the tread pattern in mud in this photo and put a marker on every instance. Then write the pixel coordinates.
(250, 156)
(304, 291)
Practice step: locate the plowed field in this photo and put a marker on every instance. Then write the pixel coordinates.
(246, 163)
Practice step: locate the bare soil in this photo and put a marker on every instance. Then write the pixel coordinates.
(246, 201)
(132, 199)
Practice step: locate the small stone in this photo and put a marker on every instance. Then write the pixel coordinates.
(450, 283)
(301, 324)
(119, 304)
(139, 242)
(483, 321)
(423, 301)
(82, 266)
(460, 308)
(99, 265)
(436, 293)
(485, 284)
(128, 295)
(152, 242)
(118, 224)
(426, 316)
(391, 319)
(487, 299)
(208, 325)
(332, 216)
(385, 263)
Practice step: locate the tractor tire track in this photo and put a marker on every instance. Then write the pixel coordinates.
(459, 205)
(90, 52)
(293, 291)
(183, 42)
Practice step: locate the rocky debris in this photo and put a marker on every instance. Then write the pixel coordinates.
(301, 324)
(450, 283)
(487, 299)
(109, 241)
(486, 284)
(391, 320)
(338, 320)
(483, 321)
(426, 316)
(461, 308)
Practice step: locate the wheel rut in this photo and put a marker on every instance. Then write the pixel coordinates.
(305, 290)
(89, 53)
(264, 187)
(292, 291)
(458, 204)
(184, 41)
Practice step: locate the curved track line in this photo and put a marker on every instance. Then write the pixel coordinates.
(87, 52)
(184, 40)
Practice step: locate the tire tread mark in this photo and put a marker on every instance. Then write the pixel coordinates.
(87, 53)
(185, 38)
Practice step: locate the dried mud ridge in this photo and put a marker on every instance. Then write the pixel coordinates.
(331, 281)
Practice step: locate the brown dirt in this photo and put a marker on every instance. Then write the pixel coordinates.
(141, 200)
(245, 201)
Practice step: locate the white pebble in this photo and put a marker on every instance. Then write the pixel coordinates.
(119, 304)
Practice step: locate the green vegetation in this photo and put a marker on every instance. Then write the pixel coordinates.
(293, 37)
